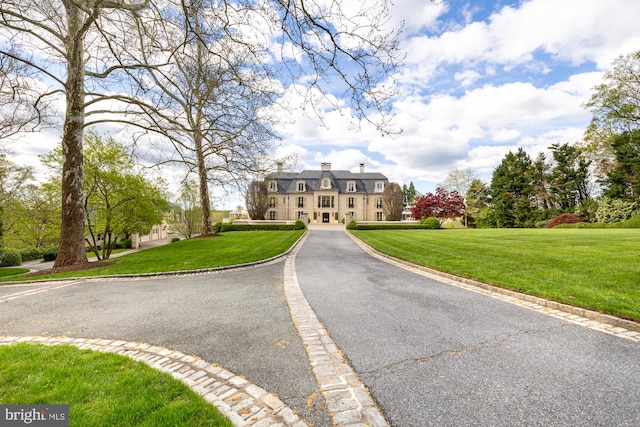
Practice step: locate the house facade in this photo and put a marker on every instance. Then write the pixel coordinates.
(325, 196)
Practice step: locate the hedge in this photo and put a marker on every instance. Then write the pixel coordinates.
(633, 222)
(400, 226)
(299, 225)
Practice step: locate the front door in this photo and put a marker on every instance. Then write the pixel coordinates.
(325, 217)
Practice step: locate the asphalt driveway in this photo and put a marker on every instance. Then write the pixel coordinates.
(434, 354)
(430, 353)
(239, 319)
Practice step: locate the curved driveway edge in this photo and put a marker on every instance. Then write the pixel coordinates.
(251, 264)
(348, 400)
(608, 324)
(244, 403)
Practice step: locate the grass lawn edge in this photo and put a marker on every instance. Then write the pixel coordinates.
(162, 273)
(608, 319)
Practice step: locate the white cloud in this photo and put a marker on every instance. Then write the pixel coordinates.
(576, 31)
(479, 80)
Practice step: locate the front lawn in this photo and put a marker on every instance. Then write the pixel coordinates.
(226, 249)
(597, 269)
(101, 389)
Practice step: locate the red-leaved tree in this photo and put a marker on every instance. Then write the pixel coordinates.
(441, 205)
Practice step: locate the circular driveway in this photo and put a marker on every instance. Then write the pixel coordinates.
(429, 353)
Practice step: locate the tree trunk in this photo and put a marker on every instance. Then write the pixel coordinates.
(207, 227)
(72, 250)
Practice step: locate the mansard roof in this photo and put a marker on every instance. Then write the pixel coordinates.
(287, 182)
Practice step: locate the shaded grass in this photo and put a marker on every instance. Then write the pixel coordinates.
(226, 249)
(597, 269)
(101, 389)
(10, 271)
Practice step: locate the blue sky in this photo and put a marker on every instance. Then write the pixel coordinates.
(480, 78)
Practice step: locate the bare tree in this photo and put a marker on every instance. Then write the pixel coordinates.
(211, 99)
(392, 201)
(211, 96)
(188, 221)
(257, 199)
(89, 51)
(75, 43)
(22, 108)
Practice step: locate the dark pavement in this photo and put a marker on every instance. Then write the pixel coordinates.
(434, 354)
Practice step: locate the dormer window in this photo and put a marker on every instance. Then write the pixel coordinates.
(326, 183)
(273, 186)
(351, 186)
(379, 187)
(301, 187)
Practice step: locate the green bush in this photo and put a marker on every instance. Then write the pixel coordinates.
(299, 225)
(50, 254)
(630, 223)
(353, 225)
(395, 226)
(217, 227)
(430, 223)
(633, 222)
(123, 244)
(260, 227)
(30, 254)
(10, 258)
(615, 210)
(175, 239)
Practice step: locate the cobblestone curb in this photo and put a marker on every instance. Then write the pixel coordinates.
(348, 400)
(243, 402)
(612, 325)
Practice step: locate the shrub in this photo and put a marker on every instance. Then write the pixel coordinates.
(299, 225)
(565, 218)
(260, 227)
(395, 226)
(123, 244)
(175, 239)
(615, 210)
(633, 222)
(217, 227)
(353, 225)
(50, 254)
(31, 254)
(430, 223)
(10, 258)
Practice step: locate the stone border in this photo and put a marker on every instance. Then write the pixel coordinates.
(606, 323)
(241, 401)
(348, 400)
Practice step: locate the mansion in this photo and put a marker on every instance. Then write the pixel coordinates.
(325, 196)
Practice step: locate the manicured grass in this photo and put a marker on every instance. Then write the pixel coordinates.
(101, 389)
(227, 249)
(10, 271)
(597, 269)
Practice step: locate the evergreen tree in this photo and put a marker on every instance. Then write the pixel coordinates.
(512, 190)
(409, 194)
(569, 177)
(623, 182)
(477, 199)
